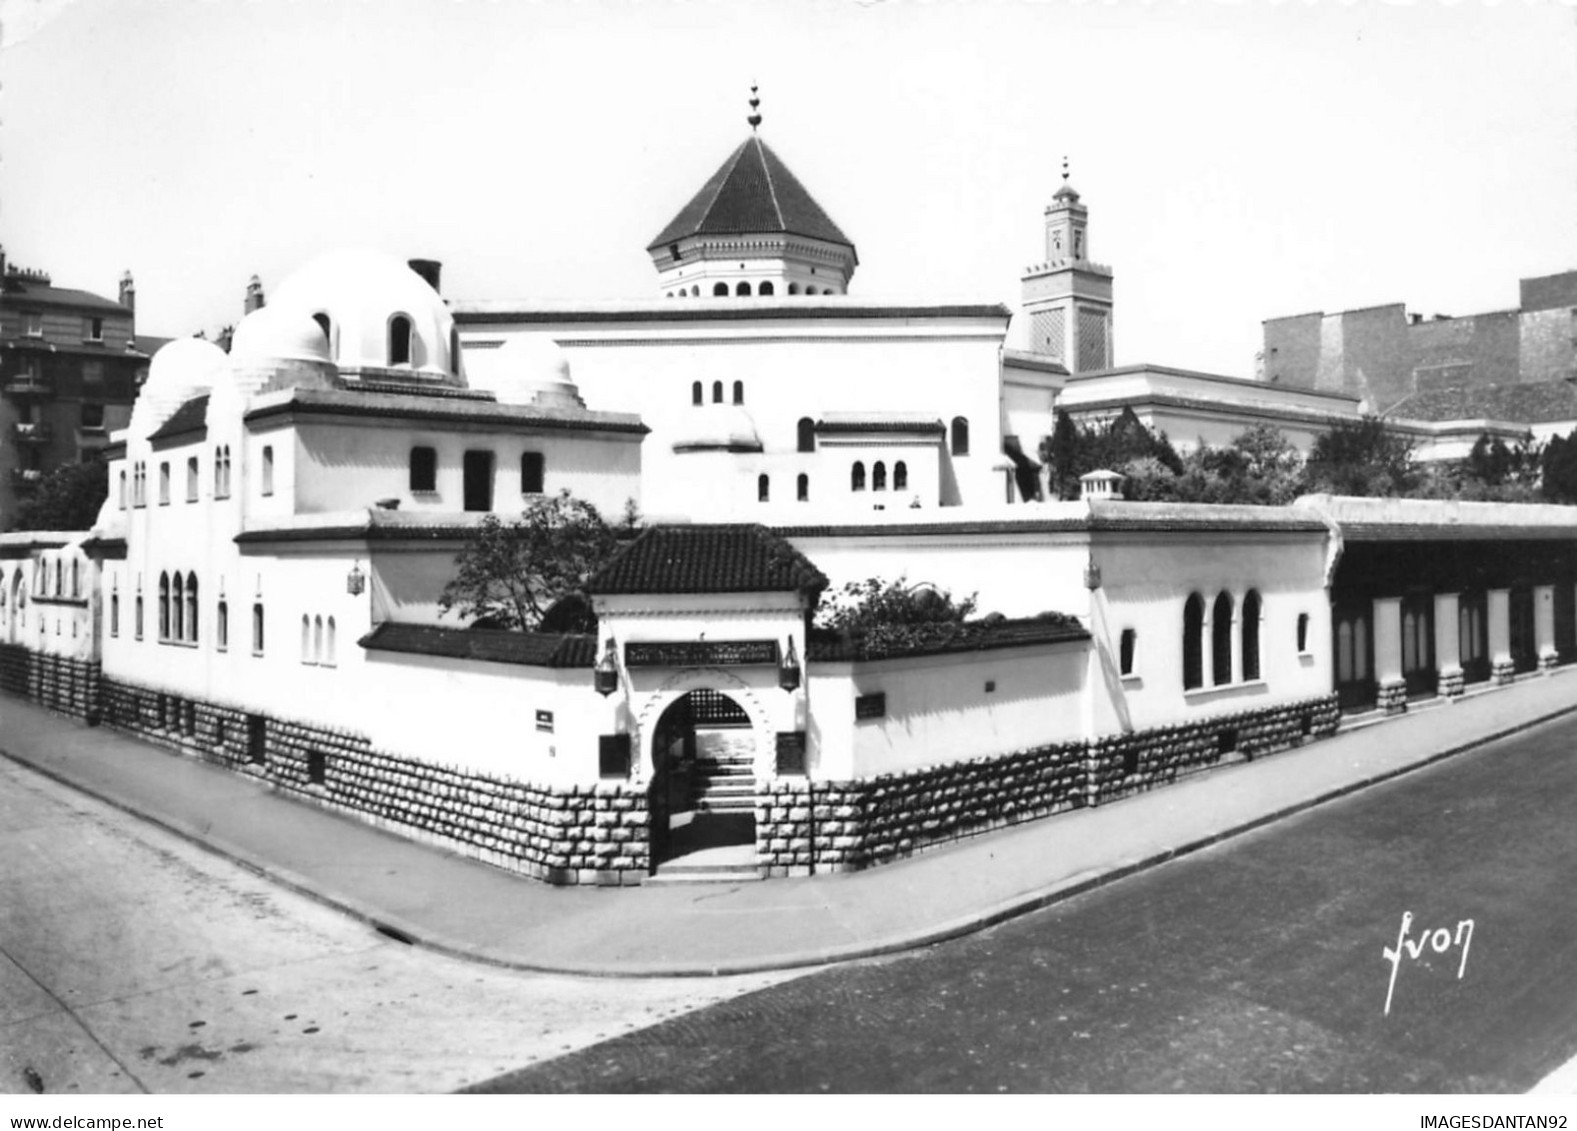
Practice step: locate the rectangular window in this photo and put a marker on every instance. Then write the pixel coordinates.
(872, 706)
(33, 324)
(164, 484)
(114, 614)
(424, 469)
(791, 752)
(93, 329)
(1126, 651)
(92, 416)
(120, 491)
(222, 627)
(613, 755)
(531, 467)
(268, 471)
(191, 479)
(478, 481)
(93, 373)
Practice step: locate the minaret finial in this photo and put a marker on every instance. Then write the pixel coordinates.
(1064, 168)
(755, 112)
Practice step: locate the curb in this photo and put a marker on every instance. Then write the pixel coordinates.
(409, 933)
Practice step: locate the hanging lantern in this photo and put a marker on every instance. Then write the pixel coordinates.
(605, 676)
(355, 580)
(788, 670)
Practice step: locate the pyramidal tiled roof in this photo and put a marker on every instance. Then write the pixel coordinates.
(753, 191)
(743, 558)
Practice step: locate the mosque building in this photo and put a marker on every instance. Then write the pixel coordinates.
(261, 589)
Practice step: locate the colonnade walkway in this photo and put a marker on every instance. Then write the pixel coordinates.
(442, 900)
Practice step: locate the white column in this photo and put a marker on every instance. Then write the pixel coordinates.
(1448, 644)
(1544, 625)
(1388, 653)
(1498, 605)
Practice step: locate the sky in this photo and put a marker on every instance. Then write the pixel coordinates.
(1239, 161)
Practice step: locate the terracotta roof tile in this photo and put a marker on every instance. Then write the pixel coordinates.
(533, 649)
(1536, 402)
(745, 558)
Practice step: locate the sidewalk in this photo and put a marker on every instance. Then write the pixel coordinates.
(458, 906)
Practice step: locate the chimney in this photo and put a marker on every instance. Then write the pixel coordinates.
(254, 295)
(428, 269)
(128, 292)
(2, 261)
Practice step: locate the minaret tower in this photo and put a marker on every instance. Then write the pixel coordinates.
(1068, 299)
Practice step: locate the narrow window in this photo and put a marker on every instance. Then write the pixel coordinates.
(317, 640)
(222, 626)
(743, 290)
(1221, 639)
(164, 606)
(803, 488)
(1194, 642)
(739, 392)
(717, 392)
(268, 470)
(763, 488)
(454, 350)
(94, 329)
(191, 479)
(324, 324)
(191, 607)
(76, 578)
(328, 645)
(695, 291)
(1303, 632)
(960, 436)
(424, 469)
(1126, 651)
(177, 610)
(137, 621)
(306, 639)
(879, 476)
(164, 483)
(114, 614)
(719, 289)
(900, 476)
(531, 473)
(807, 434)
(120, 492)
(696, 396)
(765, 289)
(1250, 632)
(477, 480)
(857, 476)
(257, 629)
(399, 340)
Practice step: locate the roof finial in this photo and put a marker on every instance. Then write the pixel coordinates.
(755, 113)
(1064, 168)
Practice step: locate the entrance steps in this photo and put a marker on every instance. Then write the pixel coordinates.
(725, 773)
(724, 864)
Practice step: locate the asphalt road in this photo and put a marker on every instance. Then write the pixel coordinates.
(1257, 966)
(132, 961)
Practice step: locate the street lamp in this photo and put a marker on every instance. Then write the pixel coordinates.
(788, 670)
(355, 580)
(605, 676)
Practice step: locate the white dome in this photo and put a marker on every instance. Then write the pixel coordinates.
(180, 370)
(363, 293)
(530, 369)
(718, 428)
(278, 333)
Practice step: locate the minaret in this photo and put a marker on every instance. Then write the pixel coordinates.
(1068, 299)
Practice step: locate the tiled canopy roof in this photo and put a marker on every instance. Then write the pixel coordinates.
(752, 192)
(538, 649)
(744, 558)
(1535, 402)
(30, 292)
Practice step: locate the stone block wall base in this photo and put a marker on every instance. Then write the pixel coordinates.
(1502, 672)
(1392, 697)
(1450, 684)
(1548, 661)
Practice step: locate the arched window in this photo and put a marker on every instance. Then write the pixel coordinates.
(454, 350)
(164, 606)
(900, 476)
(807, 434)
(695, 392)
(424, 469)
(857, 476)
(324, 324)
(765, 289)
(191, 479)
(268, 470)
(317, 640)
(960, 436)
(219, 473)
(137, 614)
(739, 392)
(1193, 642)
(763, 488)
(399, 340)
(60, 587)
(328, 645)
(306, 639)
(1221, 639)
(532, 468)
(802, 489)
(114, 612)
(191, 607)
(257, 628)
(222, 626)
(1125, 651)
(793, 288)
(1250, 633)
(742, 290)
(120, 492)
(695, 291)
(1303, 632)
(176, 630)
(719, 289)
(810, 290)
(76, 577)
(717, 392)
(879, 476)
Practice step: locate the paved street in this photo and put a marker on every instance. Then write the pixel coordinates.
(131, 960)
(1254, 966)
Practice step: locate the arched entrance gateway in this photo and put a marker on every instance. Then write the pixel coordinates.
(702, 794)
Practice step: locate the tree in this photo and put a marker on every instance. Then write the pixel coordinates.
(1059, 453)
(68, 498)
(881, 617)
(1559, 464)
(509, 575)
(1361, 457)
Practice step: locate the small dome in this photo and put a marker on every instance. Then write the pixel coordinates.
(364, 295)
(278, 333)
(1066, 192)
(719, 428)
(531, 369)
(180, 370)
